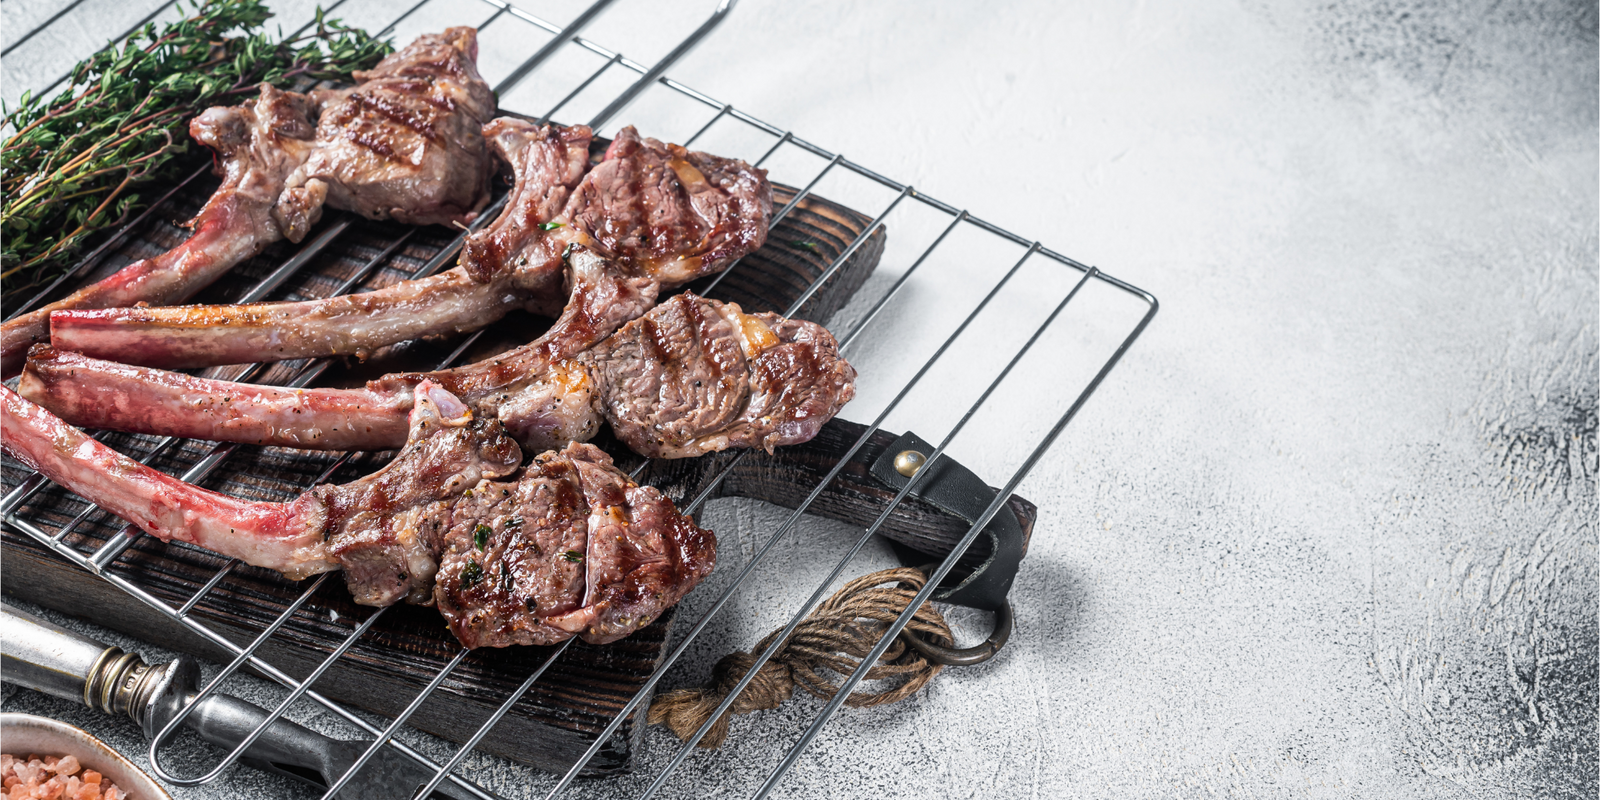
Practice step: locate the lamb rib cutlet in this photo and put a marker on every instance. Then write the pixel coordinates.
(651, 215)
(548, 164)
(692, 376)
(257, 145)
(403, 144)
(568, 546)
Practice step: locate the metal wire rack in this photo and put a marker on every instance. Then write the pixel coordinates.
(203, 460)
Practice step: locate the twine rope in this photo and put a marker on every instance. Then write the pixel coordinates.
(836, 637)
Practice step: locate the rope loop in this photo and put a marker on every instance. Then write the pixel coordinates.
(834, 638)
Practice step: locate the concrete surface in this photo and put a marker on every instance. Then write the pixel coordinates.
(1327, 531)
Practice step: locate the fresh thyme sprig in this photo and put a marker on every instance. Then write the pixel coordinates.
(77, 161)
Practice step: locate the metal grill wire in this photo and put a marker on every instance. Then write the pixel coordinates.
(959, 222)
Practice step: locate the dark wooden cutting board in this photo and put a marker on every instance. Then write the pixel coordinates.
(563, 712)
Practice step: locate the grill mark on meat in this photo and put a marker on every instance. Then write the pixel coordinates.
(591, 554)
(656, 340)
(581, 326)
(691, 376)
(566, 546)
(426, 92)
(428, 65)
(397, 113)
(376, 144)
(691, 213)
(721, 358)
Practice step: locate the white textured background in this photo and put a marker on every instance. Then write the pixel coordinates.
(1329, 530)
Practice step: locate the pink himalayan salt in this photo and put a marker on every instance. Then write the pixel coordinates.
(53, 778)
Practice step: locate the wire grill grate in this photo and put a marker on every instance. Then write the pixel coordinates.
(386, 254)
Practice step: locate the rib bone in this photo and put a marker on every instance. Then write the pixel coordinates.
(404, 144)
(257, 145)
(654, 215)
(691, 376)
(568, 547)
(442, 457)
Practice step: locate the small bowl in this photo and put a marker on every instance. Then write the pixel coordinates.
(23, 735)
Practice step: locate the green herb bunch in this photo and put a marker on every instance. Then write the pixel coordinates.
(75, 162)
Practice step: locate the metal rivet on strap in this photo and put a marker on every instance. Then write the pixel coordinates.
(908, 462)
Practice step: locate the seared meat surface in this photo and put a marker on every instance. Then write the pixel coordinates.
(257, 145)
(656, 209)
(371, 525)
(571, 548)
(402, 145)
(596, 247)
(549, 163)
(696, 376)
(691, 376)
(672, 213)
(568, 546)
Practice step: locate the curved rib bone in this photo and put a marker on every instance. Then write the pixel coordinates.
(657, 214)
(691, 376)
(549, 161)
(180, 337)
(279, 536)
(404, 144)
(257, 145)
(92, 393)
(568, 547)
(440, 459)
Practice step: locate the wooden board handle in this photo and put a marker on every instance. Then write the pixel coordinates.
(788, 475)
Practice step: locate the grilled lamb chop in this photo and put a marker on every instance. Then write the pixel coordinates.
(402, 144)
(257, 145)
(655, 215)
(569, 546)
(690, 377)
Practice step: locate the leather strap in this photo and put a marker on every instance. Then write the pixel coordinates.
(956, 489)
